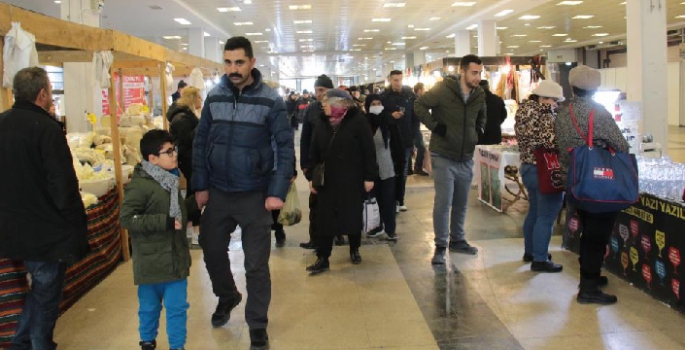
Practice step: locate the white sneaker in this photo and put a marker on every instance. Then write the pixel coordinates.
(195, 240)
(373, 234)
(189, 232)
(397, 208)
(402, 208)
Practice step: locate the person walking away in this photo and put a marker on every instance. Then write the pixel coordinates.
(344, 153)
(398, 102)
(183, 125)
(291, 108)
(243, 158)
(154, 214)
(454, 110)
(390, 159)
(176, 95)
(302, 103)
(42, 219)
(534, 129)
(419, 90)
(597, 227)
(497, 114)
(313, 114)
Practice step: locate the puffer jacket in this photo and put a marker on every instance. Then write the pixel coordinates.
(235, 142)
(160, 253)
(444, 104)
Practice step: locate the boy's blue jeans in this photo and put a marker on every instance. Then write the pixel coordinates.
(539, 223)
(174, 295)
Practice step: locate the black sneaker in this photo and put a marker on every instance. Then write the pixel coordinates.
(601, 282)
(591, 294)
(223, 310)
(545, 266)
(529, 257)
(463, 247)
(339, 240)
(319, 266)
(148, 345)
(355, 257)
(439, 256)
(280, 238)
(308, 245)
(259, 340)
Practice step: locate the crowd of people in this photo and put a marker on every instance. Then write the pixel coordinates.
(237, 151)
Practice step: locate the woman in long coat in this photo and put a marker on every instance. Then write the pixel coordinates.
(343, 147)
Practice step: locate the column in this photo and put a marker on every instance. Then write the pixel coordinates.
(81, 92)
(196, 42)
(647, 64)
(462, 43)
(419, 58)
(213, 49)
(409, 61)
(487, 38)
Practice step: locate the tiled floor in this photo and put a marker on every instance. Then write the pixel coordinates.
(396, 300)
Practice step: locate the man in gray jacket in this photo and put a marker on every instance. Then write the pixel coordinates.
(454, 110)
(243, 157)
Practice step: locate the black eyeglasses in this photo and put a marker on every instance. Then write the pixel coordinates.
(169, 152)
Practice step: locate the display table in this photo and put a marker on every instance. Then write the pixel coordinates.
(645, 247)
(490, 163)
(105, 252)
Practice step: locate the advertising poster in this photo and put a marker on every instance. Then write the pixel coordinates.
(489, 181)
(133, 89)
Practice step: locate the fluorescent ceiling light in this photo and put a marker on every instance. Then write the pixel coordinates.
(570, 41)
(600, 34)
(502, 28)
(253, 34)
(305, 40)
(261, 41)
(583, 17)
(222, 42)
(300, 7)
(371, 30)
(184, 44)
(570, 3)
(422, 29)
(464, 3)
(408, 37)
(520, 35)
(58, 2)
(304, 21)
(390, 49)
(434, 19)
(369, 38)
(182, 21)
(243, 23)
(451, 36)
(228, 9)
(535, 41)
(398, 44)
(355, 49)
(529, 17)
(423, 47)
(394, 4)
(545, 45)
(304, 32)
(681, 16)
(247, 2)
(559, 34)
(267, 29)
(171, 37)
(207, 34)
(380, 20)
(410, 26)
(592, 27)
(547, 27)
(472, 27)
(358, 45)
(503, 13)
(513, 47)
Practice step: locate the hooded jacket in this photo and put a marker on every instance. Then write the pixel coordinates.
(182, 130)
(244, 141)
(444, 104)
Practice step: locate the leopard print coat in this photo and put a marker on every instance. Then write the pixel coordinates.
(534, 128)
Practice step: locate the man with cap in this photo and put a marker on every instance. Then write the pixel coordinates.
(597, 227)
(312, 116)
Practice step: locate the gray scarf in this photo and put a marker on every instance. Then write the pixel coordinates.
(169, 182)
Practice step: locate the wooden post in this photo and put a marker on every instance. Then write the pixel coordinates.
(5, 94)
(116, 147)
(121, 91)
(152, 96)
(162, 86)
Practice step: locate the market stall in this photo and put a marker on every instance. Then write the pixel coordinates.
(496, 170)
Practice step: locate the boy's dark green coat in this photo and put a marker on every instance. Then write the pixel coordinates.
(160, 253)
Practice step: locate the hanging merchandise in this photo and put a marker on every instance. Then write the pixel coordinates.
(102, 61)
(536, 69)
(169, 77)
(19, 53)
(197, 79)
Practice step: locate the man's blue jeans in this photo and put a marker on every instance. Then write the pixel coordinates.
(41, 309)
(452, 185)
(539, 223)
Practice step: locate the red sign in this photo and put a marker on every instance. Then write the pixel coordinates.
(674, 256)
(675, 285)
(573, 224)
(647, 273)
(634, 228)
(134, 92)
(646, 244)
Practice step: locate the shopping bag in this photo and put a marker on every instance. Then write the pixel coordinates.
(549, 170)
(600, 179)
(291, 213)
(372, 215)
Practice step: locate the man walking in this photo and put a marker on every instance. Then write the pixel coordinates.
(311, 118)
(454, 111)
(399, 104)
(42, 219)
(243, 158)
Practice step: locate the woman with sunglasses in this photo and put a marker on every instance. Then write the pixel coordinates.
(534, 129)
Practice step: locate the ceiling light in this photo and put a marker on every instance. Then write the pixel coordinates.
(185, 49)
(547, 27)
(398, 44)
(570, 3)
(451, 36)
(681, 16)
(570, 41)
(601, 42)
(228, 9)
(423, 47)
(410, 26)
(355, 49)
(545, 45)
(559, 34)
(243, 23)
(394, 4)
(529, 17)
(502, 28)
(358, 45)
(369, 38)
(305, 40)
(300, 7)
(304, 32)
(58, 2)
(253, 34)
(222, 42)
(535, 41)
(182, 21)
(600, 34)
(171, 37)
(267, 29)
(307, 46)
(408, 37)
(434, 19)
(520, 35)
(422, 29)
(472, 27)
(513, 47)
(390, 49)
(503, 13)
(583, 17)
(247, 2)
(592, 27)
(261, 41)
(370, 30)
(380, 20)
(464, 3)
(305, 21)
(206, 34)
(184, 44)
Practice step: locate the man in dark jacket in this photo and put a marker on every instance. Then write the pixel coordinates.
(497, 114)
(312, 116)
(399, 104)
(302, 103)
(454, 110)
(417, 136)
(243, 158)
(42, 219)
(176, 95)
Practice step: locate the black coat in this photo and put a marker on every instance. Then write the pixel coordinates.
(350, 159)
(312, 116)
(182, 129)
(42, 217)
(392, 101)
(497, 113)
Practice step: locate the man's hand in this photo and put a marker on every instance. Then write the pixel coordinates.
(368, 186)
(397, 115)
(201, 197)
(292, 179)
(177, 225)
(273, 203)
(311, 188)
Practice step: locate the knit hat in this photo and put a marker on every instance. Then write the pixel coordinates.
(370, 98)
(548, 88)
(324, 81)
(338, 93)
(584, 77)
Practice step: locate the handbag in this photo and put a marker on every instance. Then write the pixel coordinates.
(372, 215)
(549, 170)
(600, 179)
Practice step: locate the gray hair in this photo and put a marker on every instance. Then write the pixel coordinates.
(28, 82)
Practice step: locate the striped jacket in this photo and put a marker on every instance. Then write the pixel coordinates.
(244, 141)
